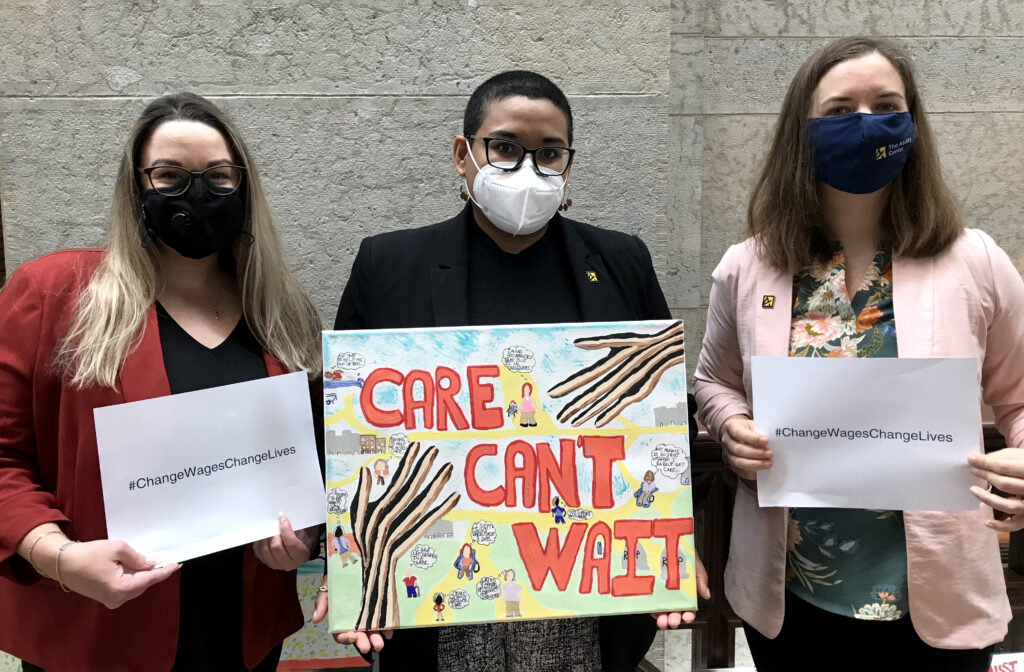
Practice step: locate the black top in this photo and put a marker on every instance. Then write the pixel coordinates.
(420, 277)
(210, 613)
(531, 287)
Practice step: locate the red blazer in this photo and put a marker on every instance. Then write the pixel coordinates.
(49, 472)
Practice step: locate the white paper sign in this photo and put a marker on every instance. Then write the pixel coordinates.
(1007, 662)
(881, 433)
(194, 473)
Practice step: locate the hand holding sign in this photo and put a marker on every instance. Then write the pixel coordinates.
(109, 571)
(673, 619)
(1004, 469)
(746, 449)
(287, 551)
(364, 641)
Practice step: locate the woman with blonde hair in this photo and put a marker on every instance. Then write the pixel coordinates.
(851, 220)
(190, 292)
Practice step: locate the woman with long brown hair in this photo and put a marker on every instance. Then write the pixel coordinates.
(851, 219)
(190, 292)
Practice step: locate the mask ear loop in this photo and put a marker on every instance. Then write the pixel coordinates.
(468, 192)
(147, 233)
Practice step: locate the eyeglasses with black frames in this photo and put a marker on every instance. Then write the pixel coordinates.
(508, 155)
(220, 180)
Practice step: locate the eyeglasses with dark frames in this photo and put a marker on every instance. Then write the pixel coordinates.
(508, 155)
(220, 180)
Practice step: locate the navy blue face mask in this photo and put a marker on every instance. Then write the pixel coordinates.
(860, 153)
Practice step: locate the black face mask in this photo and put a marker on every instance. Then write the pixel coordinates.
(195, 224)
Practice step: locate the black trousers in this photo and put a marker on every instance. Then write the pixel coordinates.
(813, 639)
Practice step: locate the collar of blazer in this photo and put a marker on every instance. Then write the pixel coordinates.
(913, 304)
(599, 296)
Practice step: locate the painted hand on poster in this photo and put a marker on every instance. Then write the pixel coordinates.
(386, 529)
(626, 375)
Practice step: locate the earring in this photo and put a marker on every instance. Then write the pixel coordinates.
(462, 193)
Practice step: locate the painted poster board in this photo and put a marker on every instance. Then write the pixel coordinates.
(500, 473)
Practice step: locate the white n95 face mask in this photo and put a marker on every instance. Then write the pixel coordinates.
(519, 202)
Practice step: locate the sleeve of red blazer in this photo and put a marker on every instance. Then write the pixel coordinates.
(1002, 372)
(24, 504)
(718, 380)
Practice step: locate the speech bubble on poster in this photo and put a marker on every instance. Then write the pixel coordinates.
(669, 460)
(484, 532)
(519, 359)
(458, 598)
(488, 588)
(422, 556)
(350, 361)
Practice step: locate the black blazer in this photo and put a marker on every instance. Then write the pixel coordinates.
(419, 278)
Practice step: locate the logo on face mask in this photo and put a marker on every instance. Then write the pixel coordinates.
(520, 201)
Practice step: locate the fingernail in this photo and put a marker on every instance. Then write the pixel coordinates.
(280, 517)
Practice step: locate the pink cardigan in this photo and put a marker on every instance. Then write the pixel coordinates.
(966, 302)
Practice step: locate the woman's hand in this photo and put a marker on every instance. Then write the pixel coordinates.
(746, 449)
(364, 641)
(673, 619)
(288, 550)
(1004, 470)
(109, 571)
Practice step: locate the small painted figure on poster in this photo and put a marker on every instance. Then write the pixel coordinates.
(512, 594)
(380, 470)
(439, 607)
(467, 563)
(412, 587)
(526, 408)
(343, 546)
(558, 511)
(645, 493)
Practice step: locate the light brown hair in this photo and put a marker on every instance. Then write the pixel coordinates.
(112, 309)
(785, 213)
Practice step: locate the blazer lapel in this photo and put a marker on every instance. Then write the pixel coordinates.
(599, 297)
(274, 367)
(449, 274)
(773, 312)
(913, 304)
(143, 375)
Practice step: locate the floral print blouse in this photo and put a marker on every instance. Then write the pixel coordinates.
(851, 562)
